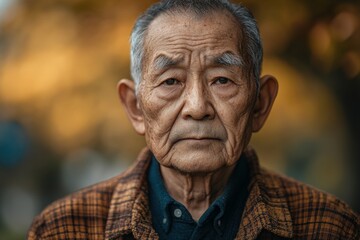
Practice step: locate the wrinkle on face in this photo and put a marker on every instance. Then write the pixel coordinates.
(195, 124)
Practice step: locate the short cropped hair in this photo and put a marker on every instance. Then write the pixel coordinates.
(250, 45)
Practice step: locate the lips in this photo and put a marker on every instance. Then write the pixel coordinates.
(197, 139)
(192, 131)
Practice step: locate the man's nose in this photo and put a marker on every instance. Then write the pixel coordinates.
(198, 105)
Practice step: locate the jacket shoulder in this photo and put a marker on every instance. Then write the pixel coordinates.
(313, 212)
(79, 215)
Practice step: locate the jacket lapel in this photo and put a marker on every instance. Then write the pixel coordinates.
(266, 207)
(129, 213)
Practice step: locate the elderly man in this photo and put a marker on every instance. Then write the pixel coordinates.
(197, 96)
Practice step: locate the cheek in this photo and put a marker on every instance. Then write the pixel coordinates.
(159, 118)
(234, 111)
(235, 116)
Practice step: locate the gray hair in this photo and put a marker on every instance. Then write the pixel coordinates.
(250, 44)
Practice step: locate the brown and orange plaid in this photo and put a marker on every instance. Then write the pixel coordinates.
(277, 208)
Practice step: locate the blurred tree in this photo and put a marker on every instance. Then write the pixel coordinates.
(60, 61)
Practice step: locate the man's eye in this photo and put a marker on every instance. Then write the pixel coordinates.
(222, 80)
(171, 81)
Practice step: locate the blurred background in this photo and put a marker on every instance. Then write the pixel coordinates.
(62, 126)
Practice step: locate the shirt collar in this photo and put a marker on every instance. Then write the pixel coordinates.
(160, 199)
(161, 203)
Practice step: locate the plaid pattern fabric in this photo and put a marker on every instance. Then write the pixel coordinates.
(277, 208)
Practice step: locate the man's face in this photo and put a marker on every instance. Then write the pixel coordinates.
(196, 103)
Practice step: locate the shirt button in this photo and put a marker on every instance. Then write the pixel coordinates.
(164, 220)
(177, 213)
(219, 223)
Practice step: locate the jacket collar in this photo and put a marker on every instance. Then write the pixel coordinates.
(266, 206)
(129, 212)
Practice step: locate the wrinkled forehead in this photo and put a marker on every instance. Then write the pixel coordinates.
(216, 30)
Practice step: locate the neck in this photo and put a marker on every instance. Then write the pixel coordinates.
(195, 191)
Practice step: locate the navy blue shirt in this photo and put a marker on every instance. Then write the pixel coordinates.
(171, 220)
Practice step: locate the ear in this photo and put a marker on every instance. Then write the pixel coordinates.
(126, 90)
(265, 99)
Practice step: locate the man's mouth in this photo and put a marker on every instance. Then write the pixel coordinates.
(197, 139)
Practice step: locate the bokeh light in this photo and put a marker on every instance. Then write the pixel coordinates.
(62, 126)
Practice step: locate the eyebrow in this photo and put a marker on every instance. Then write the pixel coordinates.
(225, 59)
(162, 62)
(228, 59)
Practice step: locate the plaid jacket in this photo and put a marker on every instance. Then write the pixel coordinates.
(277, 208)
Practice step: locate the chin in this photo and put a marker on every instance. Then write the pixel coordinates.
(197, 163)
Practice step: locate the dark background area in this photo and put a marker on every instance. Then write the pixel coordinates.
(62, 126)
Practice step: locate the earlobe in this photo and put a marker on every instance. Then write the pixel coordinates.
(265, 99)
(126, 91)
